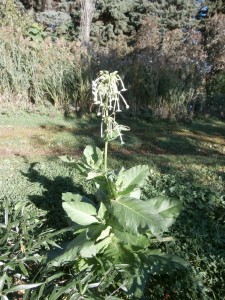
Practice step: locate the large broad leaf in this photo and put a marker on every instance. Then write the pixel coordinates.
(130, 179)
(138, 240)
(106, 188)
(70, 197)
(118, 253)
(103, 244)
(93, 157)
(105, 233)
(94, 231)
(168, 208)
(102, 188)
(69, 251)
(101, 234)
(92, 175)
(81, 213)
(88, 250)
(136, 193)
(101, 211)
(134, 214)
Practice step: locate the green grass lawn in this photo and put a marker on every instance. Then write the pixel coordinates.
(187, 161)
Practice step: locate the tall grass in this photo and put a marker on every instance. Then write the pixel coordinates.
(37, 71)
(160, 75)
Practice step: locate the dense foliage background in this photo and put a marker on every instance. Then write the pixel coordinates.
(172, 64)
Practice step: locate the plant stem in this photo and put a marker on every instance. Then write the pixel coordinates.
(106, 156)
(107, 133)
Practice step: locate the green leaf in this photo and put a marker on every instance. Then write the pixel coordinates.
(20, 287)
(133, 193)
(67, 159)
(77, 296)
(130, 179)
(104, 234)
(93, 157)
(124, 128)
(168, 208)
(113, 298)
(2, 281)
(113, 135)
(101, 211)
(94, 230)
(136, 240)
(69, 197)
(55, 276)
(81, 213)
(103, 244)
(118, 253)
(88, 250)
(92, 175)
(68, 252)
(56, 294)
(134, 214)
(23, 269)
(79, 166)
(34, 31)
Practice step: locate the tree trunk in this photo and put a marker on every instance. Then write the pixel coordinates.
(87, 12)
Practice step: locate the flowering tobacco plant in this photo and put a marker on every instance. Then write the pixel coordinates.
(118, 229)
(108, 98)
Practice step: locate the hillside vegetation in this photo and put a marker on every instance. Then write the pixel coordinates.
(171, 63)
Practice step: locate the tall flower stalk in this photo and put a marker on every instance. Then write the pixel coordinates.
(119, 228)
(107, 94)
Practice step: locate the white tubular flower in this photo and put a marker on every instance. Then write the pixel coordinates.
(107, 95)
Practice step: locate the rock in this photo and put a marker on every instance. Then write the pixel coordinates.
(52, 18)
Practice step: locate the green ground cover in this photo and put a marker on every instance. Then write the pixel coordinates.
(187, 161)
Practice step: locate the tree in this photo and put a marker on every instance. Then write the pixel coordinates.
(87, 12)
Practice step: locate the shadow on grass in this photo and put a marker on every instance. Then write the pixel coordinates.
(51, 198)
(200, 138)
(210, 127)
(70, 139)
